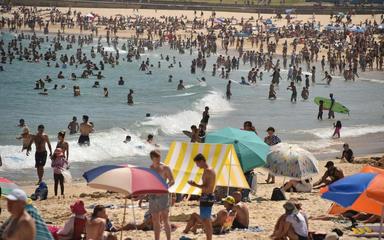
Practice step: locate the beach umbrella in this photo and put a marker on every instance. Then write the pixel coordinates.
(250, 149)
(291, 161)
(126, 179)
(7, 186)
(361, 192)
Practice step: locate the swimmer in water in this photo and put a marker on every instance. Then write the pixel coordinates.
(228, 92)
(170, 78)
(180, 86)
(121, 81)
(25, 135)
(106, 93)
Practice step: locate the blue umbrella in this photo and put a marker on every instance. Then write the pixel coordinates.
(250, 149)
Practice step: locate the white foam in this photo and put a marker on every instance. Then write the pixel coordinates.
(104, 146)
(371, 80)
(353, 131)
(179, 95)
(175, 123)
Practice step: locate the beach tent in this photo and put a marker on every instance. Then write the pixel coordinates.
(221, 157)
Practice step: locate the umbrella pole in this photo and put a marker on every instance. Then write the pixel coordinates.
(133, 211)
(229, 174)
(125, 210)
(381, 222)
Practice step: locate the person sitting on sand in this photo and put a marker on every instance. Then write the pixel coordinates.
(96, 226)
(347, 154)
(75, 225)
(298, 186)
(218, 221)
(331, 175)
(242, 214)
(293, 224)
(21, 224)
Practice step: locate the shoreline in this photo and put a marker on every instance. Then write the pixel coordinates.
(303, 8)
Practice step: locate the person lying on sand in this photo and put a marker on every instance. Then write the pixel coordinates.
(298, 186)
(219, 221)
(146, 225)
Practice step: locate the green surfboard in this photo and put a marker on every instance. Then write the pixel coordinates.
(337, 107)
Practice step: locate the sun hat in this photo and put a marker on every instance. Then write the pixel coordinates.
(78, 207)
(229, 199)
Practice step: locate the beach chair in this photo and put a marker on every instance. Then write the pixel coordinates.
(79, 228)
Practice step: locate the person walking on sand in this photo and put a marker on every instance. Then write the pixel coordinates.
(159, 203)
(85, 129)
(73, 126)
(207, 197)
(40, 139)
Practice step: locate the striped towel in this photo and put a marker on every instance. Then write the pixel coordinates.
(42, 232)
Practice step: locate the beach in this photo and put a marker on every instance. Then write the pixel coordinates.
(263, 212)
(161, 110)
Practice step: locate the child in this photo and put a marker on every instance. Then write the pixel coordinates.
(59, 164)
(321, 107)
(337, 127)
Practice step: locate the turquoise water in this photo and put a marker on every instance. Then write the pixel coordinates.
(171, 111)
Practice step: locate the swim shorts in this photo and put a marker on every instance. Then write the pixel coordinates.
(84, 140)
(158, 202)
(206, 203)
(40, 159)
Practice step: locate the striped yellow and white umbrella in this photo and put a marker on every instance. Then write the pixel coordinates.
(291, 161)
(220, 157)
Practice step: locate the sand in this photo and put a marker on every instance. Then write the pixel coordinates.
(263, 212)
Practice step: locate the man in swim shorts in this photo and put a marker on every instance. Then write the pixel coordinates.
(159, 203)
(207, 198)
(40, 139)
(25, 135)
(85, 129)
(73, 126)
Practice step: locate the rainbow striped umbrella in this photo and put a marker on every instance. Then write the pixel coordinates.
(126, 179)
(7, 186)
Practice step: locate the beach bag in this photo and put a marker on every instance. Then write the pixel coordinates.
(278, 195)
(67, 176)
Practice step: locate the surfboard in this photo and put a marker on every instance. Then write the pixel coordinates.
(187, 133)
(337, 107)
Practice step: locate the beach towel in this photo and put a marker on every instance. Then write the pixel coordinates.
(42, 232)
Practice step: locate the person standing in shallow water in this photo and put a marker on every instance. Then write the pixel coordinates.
(40, 139)
(130, 97)
(85, 129)
(228, 92)
(73, 126)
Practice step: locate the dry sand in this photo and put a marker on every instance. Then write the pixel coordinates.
(263, 212)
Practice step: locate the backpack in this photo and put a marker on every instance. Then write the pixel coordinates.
(278, 195)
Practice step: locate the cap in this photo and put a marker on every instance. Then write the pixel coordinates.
(17, 195)
(329, 164)
(78, 207)
(331, 236)
(229, 199)
(290, 206)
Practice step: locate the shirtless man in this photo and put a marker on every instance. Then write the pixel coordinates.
(242, 214)
(207, 198)
(21, 226)
(40, 139)
(24, 135)
(159, 203)
(73, 126)
(85, 129)
(96, 226)
(130, 97)
(228, 92)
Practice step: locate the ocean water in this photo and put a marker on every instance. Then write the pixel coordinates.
(171, 111)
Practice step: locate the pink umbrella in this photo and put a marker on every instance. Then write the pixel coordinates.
(126, 179)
